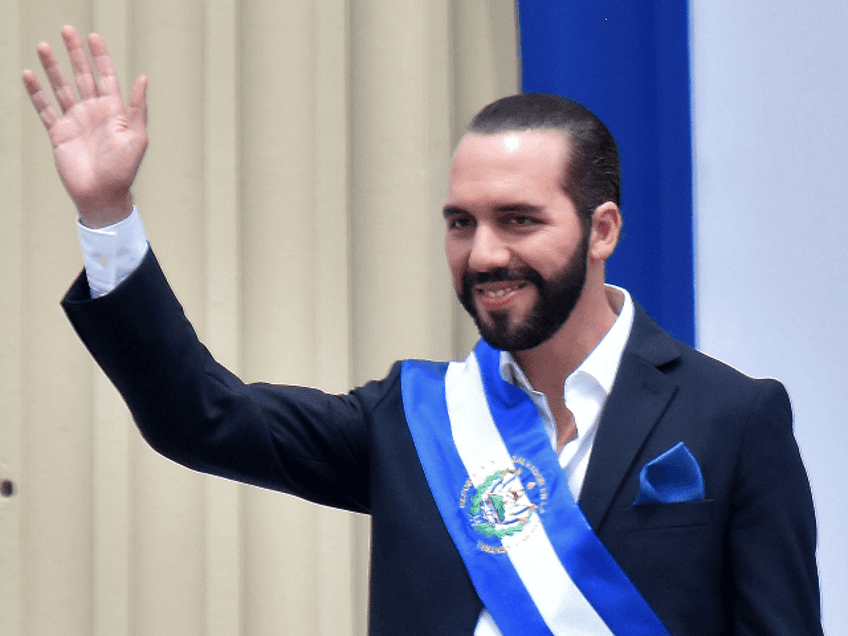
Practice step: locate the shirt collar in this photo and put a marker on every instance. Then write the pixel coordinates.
(602, 363)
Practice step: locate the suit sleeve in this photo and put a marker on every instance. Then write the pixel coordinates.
(772, 531)
(194, 411)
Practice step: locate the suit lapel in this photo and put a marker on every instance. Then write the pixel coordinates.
(639, 397)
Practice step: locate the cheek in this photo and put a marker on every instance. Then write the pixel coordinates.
(549, 256)
(457, 258)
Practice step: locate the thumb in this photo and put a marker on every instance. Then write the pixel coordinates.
(138, 101)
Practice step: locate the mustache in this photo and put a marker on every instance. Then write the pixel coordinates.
(501, 275)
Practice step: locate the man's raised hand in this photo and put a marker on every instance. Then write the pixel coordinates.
(97, 141)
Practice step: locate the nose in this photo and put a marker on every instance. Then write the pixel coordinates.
(488, 250)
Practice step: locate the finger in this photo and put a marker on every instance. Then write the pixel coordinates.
(109, 84)
(79, 62)
(138, 101)
(61, 89)
(40, 99)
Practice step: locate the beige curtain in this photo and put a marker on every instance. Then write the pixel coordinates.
(292, 190)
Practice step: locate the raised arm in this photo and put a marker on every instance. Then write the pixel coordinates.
(98, 142)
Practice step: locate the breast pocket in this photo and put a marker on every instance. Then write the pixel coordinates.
(684, 514)
(674, 555)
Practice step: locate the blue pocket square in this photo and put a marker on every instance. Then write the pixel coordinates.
(672, 477)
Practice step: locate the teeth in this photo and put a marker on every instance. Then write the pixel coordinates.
(498, 292)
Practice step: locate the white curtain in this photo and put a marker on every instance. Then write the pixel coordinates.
(292, 191)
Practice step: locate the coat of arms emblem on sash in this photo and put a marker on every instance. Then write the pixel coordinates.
(503, 504)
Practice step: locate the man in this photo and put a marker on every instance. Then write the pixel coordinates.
(694, 515)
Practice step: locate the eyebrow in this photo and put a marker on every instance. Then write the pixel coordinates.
(524, 208)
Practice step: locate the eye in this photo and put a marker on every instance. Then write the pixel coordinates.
(458, 222)
(521, 220)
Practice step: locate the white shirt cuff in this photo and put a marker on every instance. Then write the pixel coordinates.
(112, 253)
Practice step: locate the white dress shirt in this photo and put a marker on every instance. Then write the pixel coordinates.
(112, 253)
(584, 393)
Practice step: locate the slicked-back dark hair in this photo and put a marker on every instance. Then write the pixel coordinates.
(591, 170)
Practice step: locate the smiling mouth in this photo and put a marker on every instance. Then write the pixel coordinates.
(497, 295)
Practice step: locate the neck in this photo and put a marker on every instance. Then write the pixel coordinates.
(549, 364)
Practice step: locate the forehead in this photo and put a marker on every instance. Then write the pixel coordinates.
(515, 159)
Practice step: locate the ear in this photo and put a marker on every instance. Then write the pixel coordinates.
(606, 228)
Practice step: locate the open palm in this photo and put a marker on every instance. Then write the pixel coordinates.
(98, 142)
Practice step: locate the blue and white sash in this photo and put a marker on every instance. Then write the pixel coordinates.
(531, 554)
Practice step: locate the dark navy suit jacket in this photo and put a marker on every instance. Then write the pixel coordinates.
(741, 562)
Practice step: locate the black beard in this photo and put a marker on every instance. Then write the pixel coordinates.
(556, 300)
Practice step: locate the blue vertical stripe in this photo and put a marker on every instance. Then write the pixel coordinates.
(629, 63)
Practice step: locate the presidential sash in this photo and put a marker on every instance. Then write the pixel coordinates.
(532, 556)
